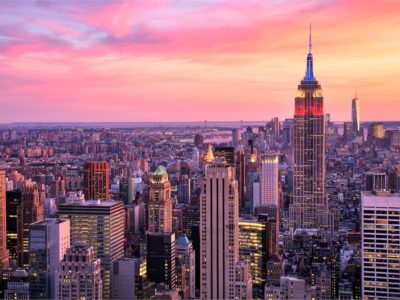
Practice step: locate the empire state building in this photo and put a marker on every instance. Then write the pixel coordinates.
(309, 208)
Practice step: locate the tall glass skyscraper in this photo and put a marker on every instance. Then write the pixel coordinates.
(355, 113)
(309, 207)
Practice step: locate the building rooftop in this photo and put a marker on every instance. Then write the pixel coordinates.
(99, 203)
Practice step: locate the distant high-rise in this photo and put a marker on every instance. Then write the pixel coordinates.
(160, 203)
(96, 180)
(236, 138)
(79, 275)
(30, 210)
(241, 176)
(198, 140)
(100, 224)
(269, 179)
(219, 213)
(3, 223)
(309, 208)
(48, 241)
(355, 113)
(376, 131)
(184, 191)
(380, 222)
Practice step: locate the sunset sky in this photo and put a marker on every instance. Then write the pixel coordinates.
(191, 60)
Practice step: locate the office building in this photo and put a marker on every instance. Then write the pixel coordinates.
(96, 180)
(186, 255)
(309, 208)
(161, 255)
(376, 131)
(219, 232)
(18, 286)
(292, 288)
(376, 181)
(253, 241)
(225, 153)
(236, 137)
(48, 241)
(269, 180)
(13, 201)
(79, 275)
(3, 223)
(100, 224)
(355, 113)
(380, 236)
(160, 203)
(184, 191)
(30, 210)
(243, 281)
(123, 277)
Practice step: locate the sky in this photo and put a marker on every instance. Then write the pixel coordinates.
(194, 60)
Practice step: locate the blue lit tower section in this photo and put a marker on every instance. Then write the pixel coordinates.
(309, 208)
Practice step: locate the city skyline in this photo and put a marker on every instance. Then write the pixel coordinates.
(116, 61)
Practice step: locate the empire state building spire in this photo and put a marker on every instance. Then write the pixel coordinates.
(309, 72)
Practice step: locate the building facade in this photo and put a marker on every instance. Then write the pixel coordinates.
(3, 223)
(100, 224)
(219, 232)
(79, 274)
(380, 236)
(48, 241)
(355, 113)
(96, 180)
(309, 208)
(160, 203)
(29, 211)
(269, 179)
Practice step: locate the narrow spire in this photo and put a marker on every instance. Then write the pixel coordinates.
(309, 41)
(309, 71)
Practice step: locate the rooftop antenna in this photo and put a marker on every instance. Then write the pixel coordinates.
(309, 41)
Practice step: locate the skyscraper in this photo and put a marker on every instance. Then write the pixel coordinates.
(380, 222)
(3, 223)
(219, 232)
(100, 224)
(186, 254)
(309, 208)
(161, 255)
(253, 250)
(355, 113)
(96, 180)
(269, 179)
(13, 201)
(29, 211)
(48, 241)
(160, 203)
(79, 275)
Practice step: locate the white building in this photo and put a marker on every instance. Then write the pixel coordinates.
(79, 275)
(269, 180)
(123, 274)
(380, 236)
(48, 241)
(219, 231)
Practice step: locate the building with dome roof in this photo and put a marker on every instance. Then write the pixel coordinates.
(160, 202)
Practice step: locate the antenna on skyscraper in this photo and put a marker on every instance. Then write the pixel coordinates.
(309, 41)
